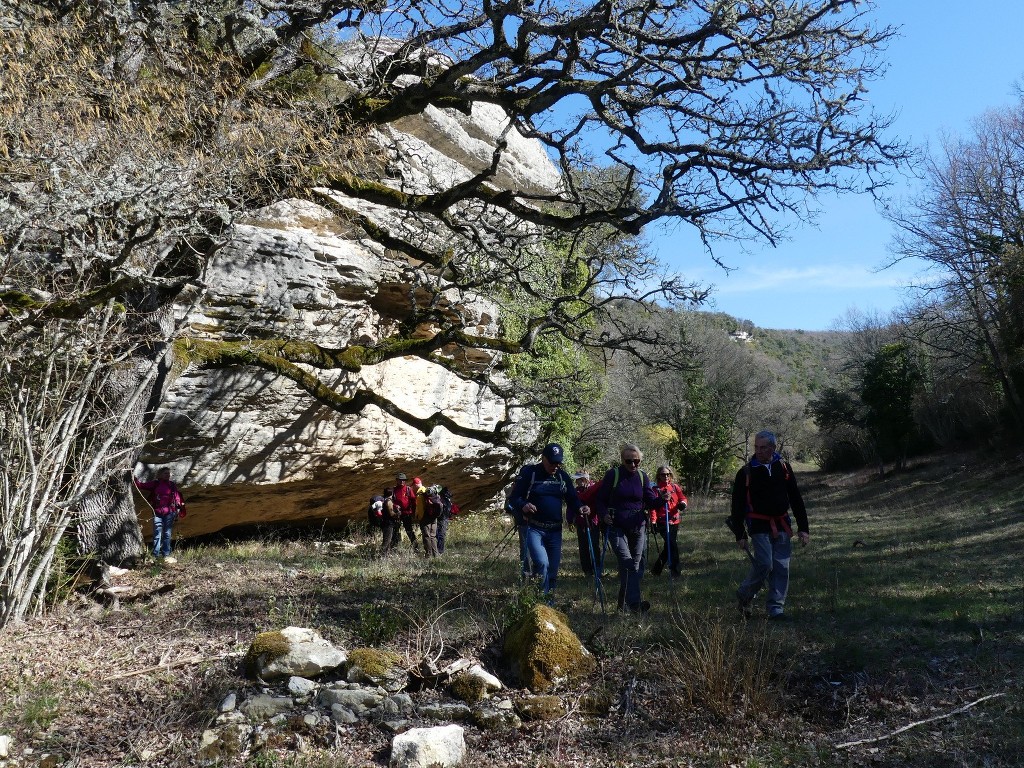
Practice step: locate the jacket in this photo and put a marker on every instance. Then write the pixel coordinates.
(163, 495)
(547, 493)
(630, 500)
(677, 502)
(762, 496)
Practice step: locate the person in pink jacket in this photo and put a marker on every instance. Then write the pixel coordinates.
(168, 505)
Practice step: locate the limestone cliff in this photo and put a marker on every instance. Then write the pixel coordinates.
(249, 447)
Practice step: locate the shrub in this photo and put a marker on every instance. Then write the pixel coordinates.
(721, 668)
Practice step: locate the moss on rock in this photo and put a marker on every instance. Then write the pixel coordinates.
(373, 662)
(545, 650)
(265, 647)
(544, 707)
(468, 688)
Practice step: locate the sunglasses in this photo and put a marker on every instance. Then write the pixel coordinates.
(634, 462)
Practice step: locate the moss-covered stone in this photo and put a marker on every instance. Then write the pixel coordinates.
(265, 647)
(372, 662)
(544, 707)
(545, 651)
(468, 688)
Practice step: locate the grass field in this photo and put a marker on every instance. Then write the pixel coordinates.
(907, 613)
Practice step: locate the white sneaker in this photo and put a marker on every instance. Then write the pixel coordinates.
(170, 560)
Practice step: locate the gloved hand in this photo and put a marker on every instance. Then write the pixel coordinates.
(181, 513)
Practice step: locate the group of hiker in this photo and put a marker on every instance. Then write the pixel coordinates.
(616, 513)
(405, 507)
(622, 509)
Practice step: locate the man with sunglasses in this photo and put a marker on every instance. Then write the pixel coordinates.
(624, 503)
(539, 493)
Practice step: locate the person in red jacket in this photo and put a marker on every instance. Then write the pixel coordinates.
(670, 510)
(586, 490)
(405, 502)
(168, 505)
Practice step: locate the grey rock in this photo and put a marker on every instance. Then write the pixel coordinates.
(343, 715)
(443, 746)
(264, 707)
(357, 700)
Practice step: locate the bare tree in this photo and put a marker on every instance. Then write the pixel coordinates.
(177, 117)
(968, 224)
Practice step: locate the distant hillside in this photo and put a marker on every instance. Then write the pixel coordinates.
(810, 357)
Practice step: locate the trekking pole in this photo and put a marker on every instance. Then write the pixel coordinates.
(504, 539)
(604, 547)
(598, 586)
(668, 540)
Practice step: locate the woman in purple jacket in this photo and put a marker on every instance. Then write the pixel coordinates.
(168, 505)
(624, 502)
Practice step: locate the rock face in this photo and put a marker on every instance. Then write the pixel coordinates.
(249, 447)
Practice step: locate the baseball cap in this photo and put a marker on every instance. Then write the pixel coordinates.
(417, 481)
(553, 453)
(401, 476)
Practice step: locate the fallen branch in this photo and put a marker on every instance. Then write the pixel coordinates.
(178, 663)
(919, 722)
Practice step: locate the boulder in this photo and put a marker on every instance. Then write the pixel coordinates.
(438, 747)
(545, 651)
(292, 651)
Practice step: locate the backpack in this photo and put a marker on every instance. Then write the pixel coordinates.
(448, 507)
(375, 512)
(517, 514)
(645, 481)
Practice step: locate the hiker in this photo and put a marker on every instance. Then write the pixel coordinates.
(421, 495)
(391, 523)
(168, 505)
(586, 523)
(538, 494)
(624, 502)
(428, 520)
(449, 509)
(665, 520)
(762, 495)
(405, 502)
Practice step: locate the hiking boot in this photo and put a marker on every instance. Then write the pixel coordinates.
(778, 617)
(657, 568)
(744, 606)
(644, 607)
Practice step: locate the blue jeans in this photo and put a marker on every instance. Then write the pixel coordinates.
(162, 525)
(630, 549)
(545, 548)
(771, 564)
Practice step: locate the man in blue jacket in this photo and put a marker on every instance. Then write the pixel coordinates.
(762, 496)
(539, 493)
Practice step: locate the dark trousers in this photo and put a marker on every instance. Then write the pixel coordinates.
(586, 564)
(407, 524)
(672, 549)
(392, 533)
(442, 532)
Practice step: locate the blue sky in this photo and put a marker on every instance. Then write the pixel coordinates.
(951, 62)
